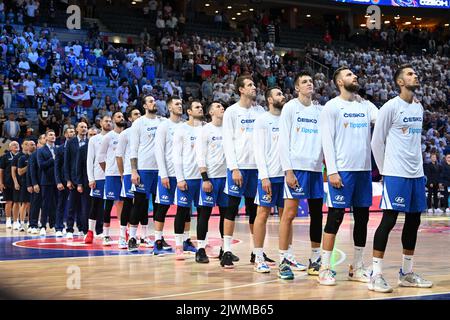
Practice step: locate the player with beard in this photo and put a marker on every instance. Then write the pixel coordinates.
(345, 125)
(188, 176)
(22, 166)
(270, 173)
(167, 181)
(301, 159)
(96, 177)
(242, 175)
(396, 146)
(113, 184)
(211, 161)
(144, 171)
(124, 165)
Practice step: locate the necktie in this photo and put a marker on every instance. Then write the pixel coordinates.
(53, 152)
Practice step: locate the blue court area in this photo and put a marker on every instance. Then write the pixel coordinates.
(437, 296)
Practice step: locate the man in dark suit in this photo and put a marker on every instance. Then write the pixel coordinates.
(82, 181)
(61, 182)
(70, 163)
(46, 162)
(34, 180)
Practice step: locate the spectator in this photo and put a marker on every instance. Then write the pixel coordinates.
(3, 119)
(433, 172)
(11, 128)
(8, 91)
(23, 123)
(43, 116)
(29, 86)
(445, 183)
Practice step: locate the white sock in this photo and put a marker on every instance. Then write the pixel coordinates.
(144, 231)
(178, 240)
(92, 224)
(358, 257)
(283, 254)
(201, 244)
(123, 231)
(106, 231)
(227, 243)
(290, 250)
(407, 264)
(158, 235)
(377, 266)
(315, 254)
(133, 231)
(206, 239)
(326, 256)
(185, 235)
(8, 220)
(258, 252)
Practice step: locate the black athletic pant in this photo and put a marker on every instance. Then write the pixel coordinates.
(409, 233)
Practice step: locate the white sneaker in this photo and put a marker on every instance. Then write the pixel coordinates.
(59, 234)
(326, 277)
(42, 232)
(430, 211)
(69, 235)
(30, 230)
(81, 234)
(147, 242)
(51, 230)
(413, 280)
(8, 224)
(64, 232)
(378, 284)
(122, 244)
(16, 225)
(107, 241)
(99, 236)
(447, 211)
(34, 231)
(438, 212)
(360, 274)
(261, 266)
(22, 227)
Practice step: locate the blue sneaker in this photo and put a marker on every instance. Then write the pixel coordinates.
(284, 271)
(158, 249)
(189, 246)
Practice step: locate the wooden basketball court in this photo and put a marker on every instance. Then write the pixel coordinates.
(49, 268)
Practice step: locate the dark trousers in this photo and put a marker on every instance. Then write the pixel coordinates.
(61, 208)
(445, 193)
(74, 211)
(48, 205)
(85, 205)
(432, 194)
(35, 207)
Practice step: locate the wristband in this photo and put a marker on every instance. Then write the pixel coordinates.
(205, 176)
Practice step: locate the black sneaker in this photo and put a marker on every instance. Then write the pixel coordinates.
(266, 259)
(227, 260)
(235, 258)
(165, 245)
(201, 257)
(133, 245)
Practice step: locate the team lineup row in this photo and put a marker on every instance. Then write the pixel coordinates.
(273, 158)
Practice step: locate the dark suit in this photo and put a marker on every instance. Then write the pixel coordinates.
(46, 164)
(81, 179)
(62, 194)
(70, 174)
(36, 198)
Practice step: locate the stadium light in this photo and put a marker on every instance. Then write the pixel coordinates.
(362, 25)
(207, 4)
(251, 9)
(418, 19)
(447, 25)
(229, 7)
(134, 2)
(366, 16)
(234, 18)
(238, 13)
(407, 23)
(387, 22)
(308, 16)
(217, 11)
(397, 17)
